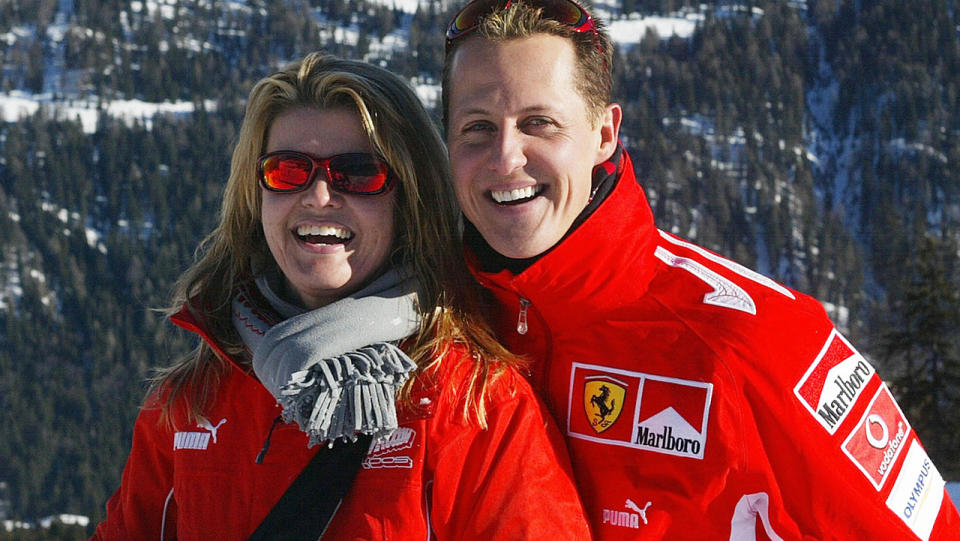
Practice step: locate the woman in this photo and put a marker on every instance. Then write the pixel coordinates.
(332, 308)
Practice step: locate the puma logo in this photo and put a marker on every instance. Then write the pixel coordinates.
(633, 507)
(198, 440)
(205, 424)
(626, 519)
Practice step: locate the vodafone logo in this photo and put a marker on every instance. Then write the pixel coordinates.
(644, 411)
(834, 382)
(878, 438)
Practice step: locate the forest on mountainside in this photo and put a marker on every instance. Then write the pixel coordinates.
(817, 142)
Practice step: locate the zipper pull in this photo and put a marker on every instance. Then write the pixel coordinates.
(266, 444)
(522, 319)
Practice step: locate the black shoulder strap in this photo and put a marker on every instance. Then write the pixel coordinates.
(308, 506)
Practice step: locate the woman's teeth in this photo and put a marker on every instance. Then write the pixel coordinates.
(512, 196)
(326, 234)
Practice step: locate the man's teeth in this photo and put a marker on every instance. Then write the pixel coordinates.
(323, 231)
(514, 195)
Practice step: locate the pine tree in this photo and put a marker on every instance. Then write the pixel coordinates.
(920, 349)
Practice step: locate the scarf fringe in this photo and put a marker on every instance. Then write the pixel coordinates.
(350, 394)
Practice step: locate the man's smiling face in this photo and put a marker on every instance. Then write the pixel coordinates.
(522, 145)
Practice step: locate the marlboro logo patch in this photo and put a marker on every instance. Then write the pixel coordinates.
(834, 382)
(643, 411)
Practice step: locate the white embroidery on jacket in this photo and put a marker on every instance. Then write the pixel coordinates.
(725, 294)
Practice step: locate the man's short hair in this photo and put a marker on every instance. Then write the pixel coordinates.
(520, 19)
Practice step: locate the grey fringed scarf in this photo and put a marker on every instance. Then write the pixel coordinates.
(335, 370)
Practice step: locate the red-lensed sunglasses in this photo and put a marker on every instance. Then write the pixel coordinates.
(287, 171)
(566, 12)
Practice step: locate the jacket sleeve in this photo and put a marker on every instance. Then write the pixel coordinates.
(842, 460)
(143, 506)
(512, 480)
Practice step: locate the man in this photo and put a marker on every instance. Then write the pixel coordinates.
(699, 398)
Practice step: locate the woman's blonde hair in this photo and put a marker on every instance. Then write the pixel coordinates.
(402, 133)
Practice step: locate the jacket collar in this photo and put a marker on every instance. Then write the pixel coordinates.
(602, 262)
(188, 318)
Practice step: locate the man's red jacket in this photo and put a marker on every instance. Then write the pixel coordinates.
(436, 477)
(701, 400)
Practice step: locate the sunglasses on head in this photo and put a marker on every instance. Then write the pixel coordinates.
(566, 12)
(287, 171)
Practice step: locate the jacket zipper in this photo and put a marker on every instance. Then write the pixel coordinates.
(522, 327)
(266, 443)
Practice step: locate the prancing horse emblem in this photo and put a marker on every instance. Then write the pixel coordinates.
(603, 402)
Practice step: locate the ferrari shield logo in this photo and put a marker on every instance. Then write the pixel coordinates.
(603, 402)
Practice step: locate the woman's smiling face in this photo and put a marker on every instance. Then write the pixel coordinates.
(327, 244)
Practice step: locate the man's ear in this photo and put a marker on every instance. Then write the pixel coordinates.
(609, 132)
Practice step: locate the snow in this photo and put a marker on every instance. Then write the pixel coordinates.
(92, 236)
(10, 525)
(16, 33)
(12, 290)
(406, 6)
(840, 315)
(733, 144)
(64, 518)
(94, 240)
(14, 269)
(629, 31)
(625, 30)
(428, 92)
(900, 145)
(167, 9)
(16, 105)
(47, 522)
